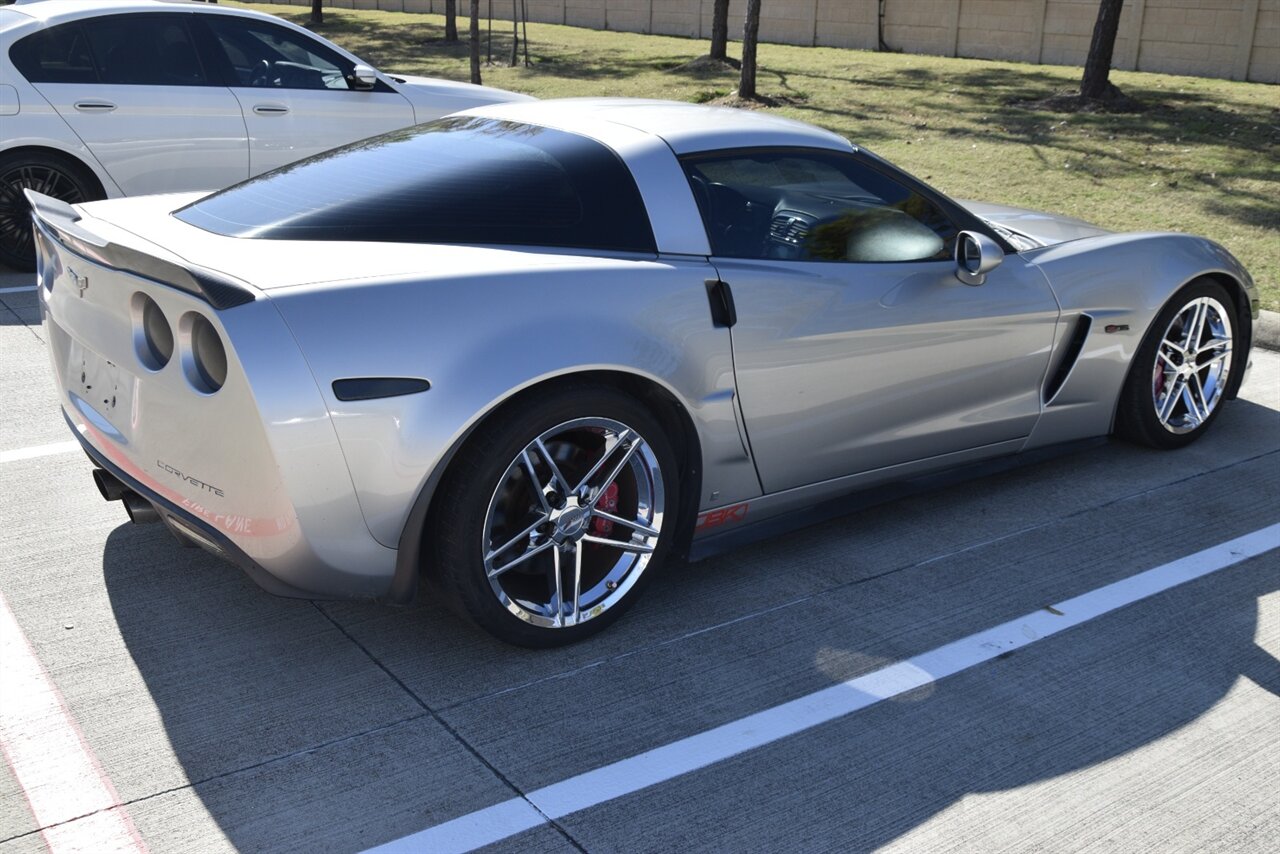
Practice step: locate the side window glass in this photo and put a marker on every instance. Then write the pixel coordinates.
(270, 57)
(144, 50)
(56, 55)
(813, 206)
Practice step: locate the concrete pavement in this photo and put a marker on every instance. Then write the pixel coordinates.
(228, 719)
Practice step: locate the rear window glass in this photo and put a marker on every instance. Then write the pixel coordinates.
(56, 55)
(456, 180)
(129, 49)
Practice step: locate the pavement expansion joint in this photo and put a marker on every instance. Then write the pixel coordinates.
(21, 322)
(613, 659)
(192, 784)
(827, 591)
(66, 821)
(453, 733)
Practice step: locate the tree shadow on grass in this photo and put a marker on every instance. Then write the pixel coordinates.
(988, 104)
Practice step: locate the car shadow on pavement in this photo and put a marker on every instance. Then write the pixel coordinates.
(255, 692)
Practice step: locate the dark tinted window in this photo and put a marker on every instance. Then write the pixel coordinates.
(267, 56)
(56, 55)
(459, 180)
(813, 206)
(148, 50)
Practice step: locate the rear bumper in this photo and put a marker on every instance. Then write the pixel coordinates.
(191, 529)
(271, 491)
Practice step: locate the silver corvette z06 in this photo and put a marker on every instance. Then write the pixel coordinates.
(535, 351)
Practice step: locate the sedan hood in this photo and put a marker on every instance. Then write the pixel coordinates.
(1045, 229)
(432, 97)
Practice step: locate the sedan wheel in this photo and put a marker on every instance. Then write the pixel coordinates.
(570, 526)
(1182, 371)
(45, 175)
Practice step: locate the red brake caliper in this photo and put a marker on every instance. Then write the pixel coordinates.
(608, 502)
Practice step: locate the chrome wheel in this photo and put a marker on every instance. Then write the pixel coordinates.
(1192, 365)
(573, 522)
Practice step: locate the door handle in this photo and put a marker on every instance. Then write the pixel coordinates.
(94, 106)
(724, 314)
(271, 109)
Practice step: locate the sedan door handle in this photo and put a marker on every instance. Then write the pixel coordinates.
(271, 109)
(94, 106)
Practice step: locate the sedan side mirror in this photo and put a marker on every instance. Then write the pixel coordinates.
(976, 255)
(363, 77)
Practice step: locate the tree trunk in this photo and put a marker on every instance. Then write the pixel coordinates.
(475, 42)
(1097, 67)
(451, 20)
(317, 11)
(720, 30)
(750, 34)
(515, 33)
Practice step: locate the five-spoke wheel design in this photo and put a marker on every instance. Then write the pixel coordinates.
(1192, 365)
(557, 513)
(573, 522)
(1182, 374)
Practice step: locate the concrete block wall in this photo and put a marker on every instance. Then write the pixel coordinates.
(1000, 29)
(1265, 57)
(1237, 39)
(677, 18)
(921, 26)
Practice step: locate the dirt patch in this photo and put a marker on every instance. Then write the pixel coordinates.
(707, 65)
(760, 102)
(1070, 101)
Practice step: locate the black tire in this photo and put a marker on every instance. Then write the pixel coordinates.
(1150, 374)
(487, 488)
(50, 174)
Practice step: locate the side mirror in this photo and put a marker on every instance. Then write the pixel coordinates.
(976, 255)
(363, 77)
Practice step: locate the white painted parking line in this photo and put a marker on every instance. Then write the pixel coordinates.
(18, 290)
(635, 773)
(70, 796)
(38, 451)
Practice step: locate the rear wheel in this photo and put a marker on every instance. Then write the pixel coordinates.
(556, 514)
(47, 174)
(1180, 375)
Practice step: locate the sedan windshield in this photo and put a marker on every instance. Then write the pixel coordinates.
(462, 180)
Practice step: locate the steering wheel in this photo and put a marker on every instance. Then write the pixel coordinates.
(732, 221)
(262, 74)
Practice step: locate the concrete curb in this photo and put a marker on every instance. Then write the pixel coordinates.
(1266, 332)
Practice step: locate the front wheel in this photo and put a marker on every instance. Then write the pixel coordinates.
(1180, 375)
(555, 514)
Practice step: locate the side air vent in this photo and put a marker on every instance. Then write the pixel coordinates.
(788, 228)
(1070, 355)
(372, 388)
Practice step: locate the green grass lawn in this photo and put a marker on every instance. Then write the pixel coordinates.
(1204, 158)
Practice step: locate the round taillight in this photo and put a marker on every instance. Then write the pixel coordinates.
(152, 334)
(206, 359)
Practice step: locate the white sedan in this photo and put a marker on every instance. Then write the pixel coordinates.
(127, 97)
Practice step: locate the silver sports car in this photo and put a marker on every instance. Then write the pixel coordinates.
(534, 351)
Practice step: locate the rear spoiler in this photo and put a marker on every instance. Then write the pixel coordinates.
(58, 222)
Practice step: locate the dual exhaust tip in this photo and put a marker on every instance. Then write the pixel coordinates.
(139, 509)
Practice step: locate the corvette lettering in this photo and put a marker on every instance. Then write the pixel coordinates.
(199, 484)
